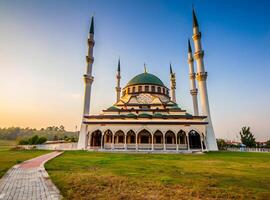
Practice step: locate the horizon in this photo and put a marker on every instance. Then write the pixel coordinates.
(44, 45)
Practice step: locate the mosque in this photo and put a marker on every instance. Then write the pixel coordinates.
(146, 116)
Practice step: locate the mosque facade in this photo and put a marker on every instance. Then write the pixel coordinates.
(146, 116)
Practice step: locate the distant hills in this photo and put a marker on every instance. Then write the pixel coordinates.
(51, 133)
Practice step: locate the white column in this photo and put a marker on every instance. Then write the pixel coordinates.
(125, 145)
(102, 137)
(113, 141)
(201, 77)
(152, 135)
(187, 137)
(201, 142)
(177, 143)
(136, 141)
(164, 142)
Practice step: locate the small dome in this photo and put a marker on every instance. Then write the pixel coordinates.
(145, 78)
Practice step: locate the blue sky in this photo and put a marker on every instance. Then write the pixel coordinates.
(43, 48)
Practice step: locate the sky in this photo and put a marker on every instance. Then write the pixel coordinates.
(43, 45)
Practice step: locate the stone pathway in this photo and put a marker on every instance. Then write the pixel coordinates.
(29, 181)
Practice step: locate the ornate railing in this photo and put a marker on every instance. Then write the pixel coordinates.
(170, 146)
(182, 146)
(145, 146)
(131, 146)
(119, 146)
(158, 146)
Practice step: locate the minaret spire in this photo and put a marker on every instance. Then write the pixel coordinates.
(173, 84)
(192, 76)
(144, 66)
(118, 77)
(92, 26)
(201, 78)
(194, 19)
(88, 79)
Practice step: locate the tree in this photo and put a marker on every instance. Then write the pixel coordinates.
(222, 145)
(41, 140)
(23, 142)
(33, 140)
(55, 138)
(247, 138)
(268, 144)
(62, 128)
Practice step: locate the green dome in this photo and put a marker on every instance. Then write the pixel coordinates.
(145, 78)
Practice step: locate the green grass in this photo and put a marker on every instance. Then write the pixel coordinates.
(215, 175)
(10, 156)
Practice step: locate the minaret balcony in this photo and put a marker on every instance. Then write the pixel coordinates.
(201, 76)
(88, 78)
(198, 55)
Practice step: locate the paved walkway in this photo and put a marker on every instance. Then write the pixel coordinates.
(29, 181)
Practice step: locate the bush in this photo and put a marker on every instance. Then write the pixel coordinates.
(222, 145)
(23, 142)
(33, 140)
(41, 140)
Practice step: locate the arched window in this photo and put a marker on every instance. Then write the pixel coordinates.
(194, 140)
(158, 137)
(119, 137)
(181, 137)
(133, 89)
(170, 137)
(140, 88)
(108, 136)
(153, 88)
(144, 137)
(96, 138)
(159, 90)
(146, 88)
(131, 137)
(128, 90)
(163, 90)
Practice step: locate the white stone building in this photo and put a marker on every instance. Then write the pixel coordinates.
(146, 116)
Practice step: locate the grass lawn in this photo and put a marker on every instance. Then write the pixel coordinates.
(9, 157)
(215, 175)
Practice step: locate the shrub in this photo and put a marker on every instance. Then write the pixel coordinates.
(23, 142)
(41, 140)
(222, 145)
(33, 140)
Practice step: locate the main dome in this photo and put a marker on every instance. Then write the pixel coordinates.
(145, 78)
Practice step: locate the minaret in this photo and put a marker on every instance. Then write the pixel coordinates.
(201, 76)
(173, 84)
(88, 79)
(118, 77)
(192, 76)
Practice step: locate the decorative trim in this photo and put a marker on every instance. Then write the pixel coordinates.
(88, 78)
(145, 123)
(197, 36)
(89, 59)
(201, 76)
(198, 54)
(192, 76)
(190, 60)
(149, 117)
(91, 42)
(194, 92)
